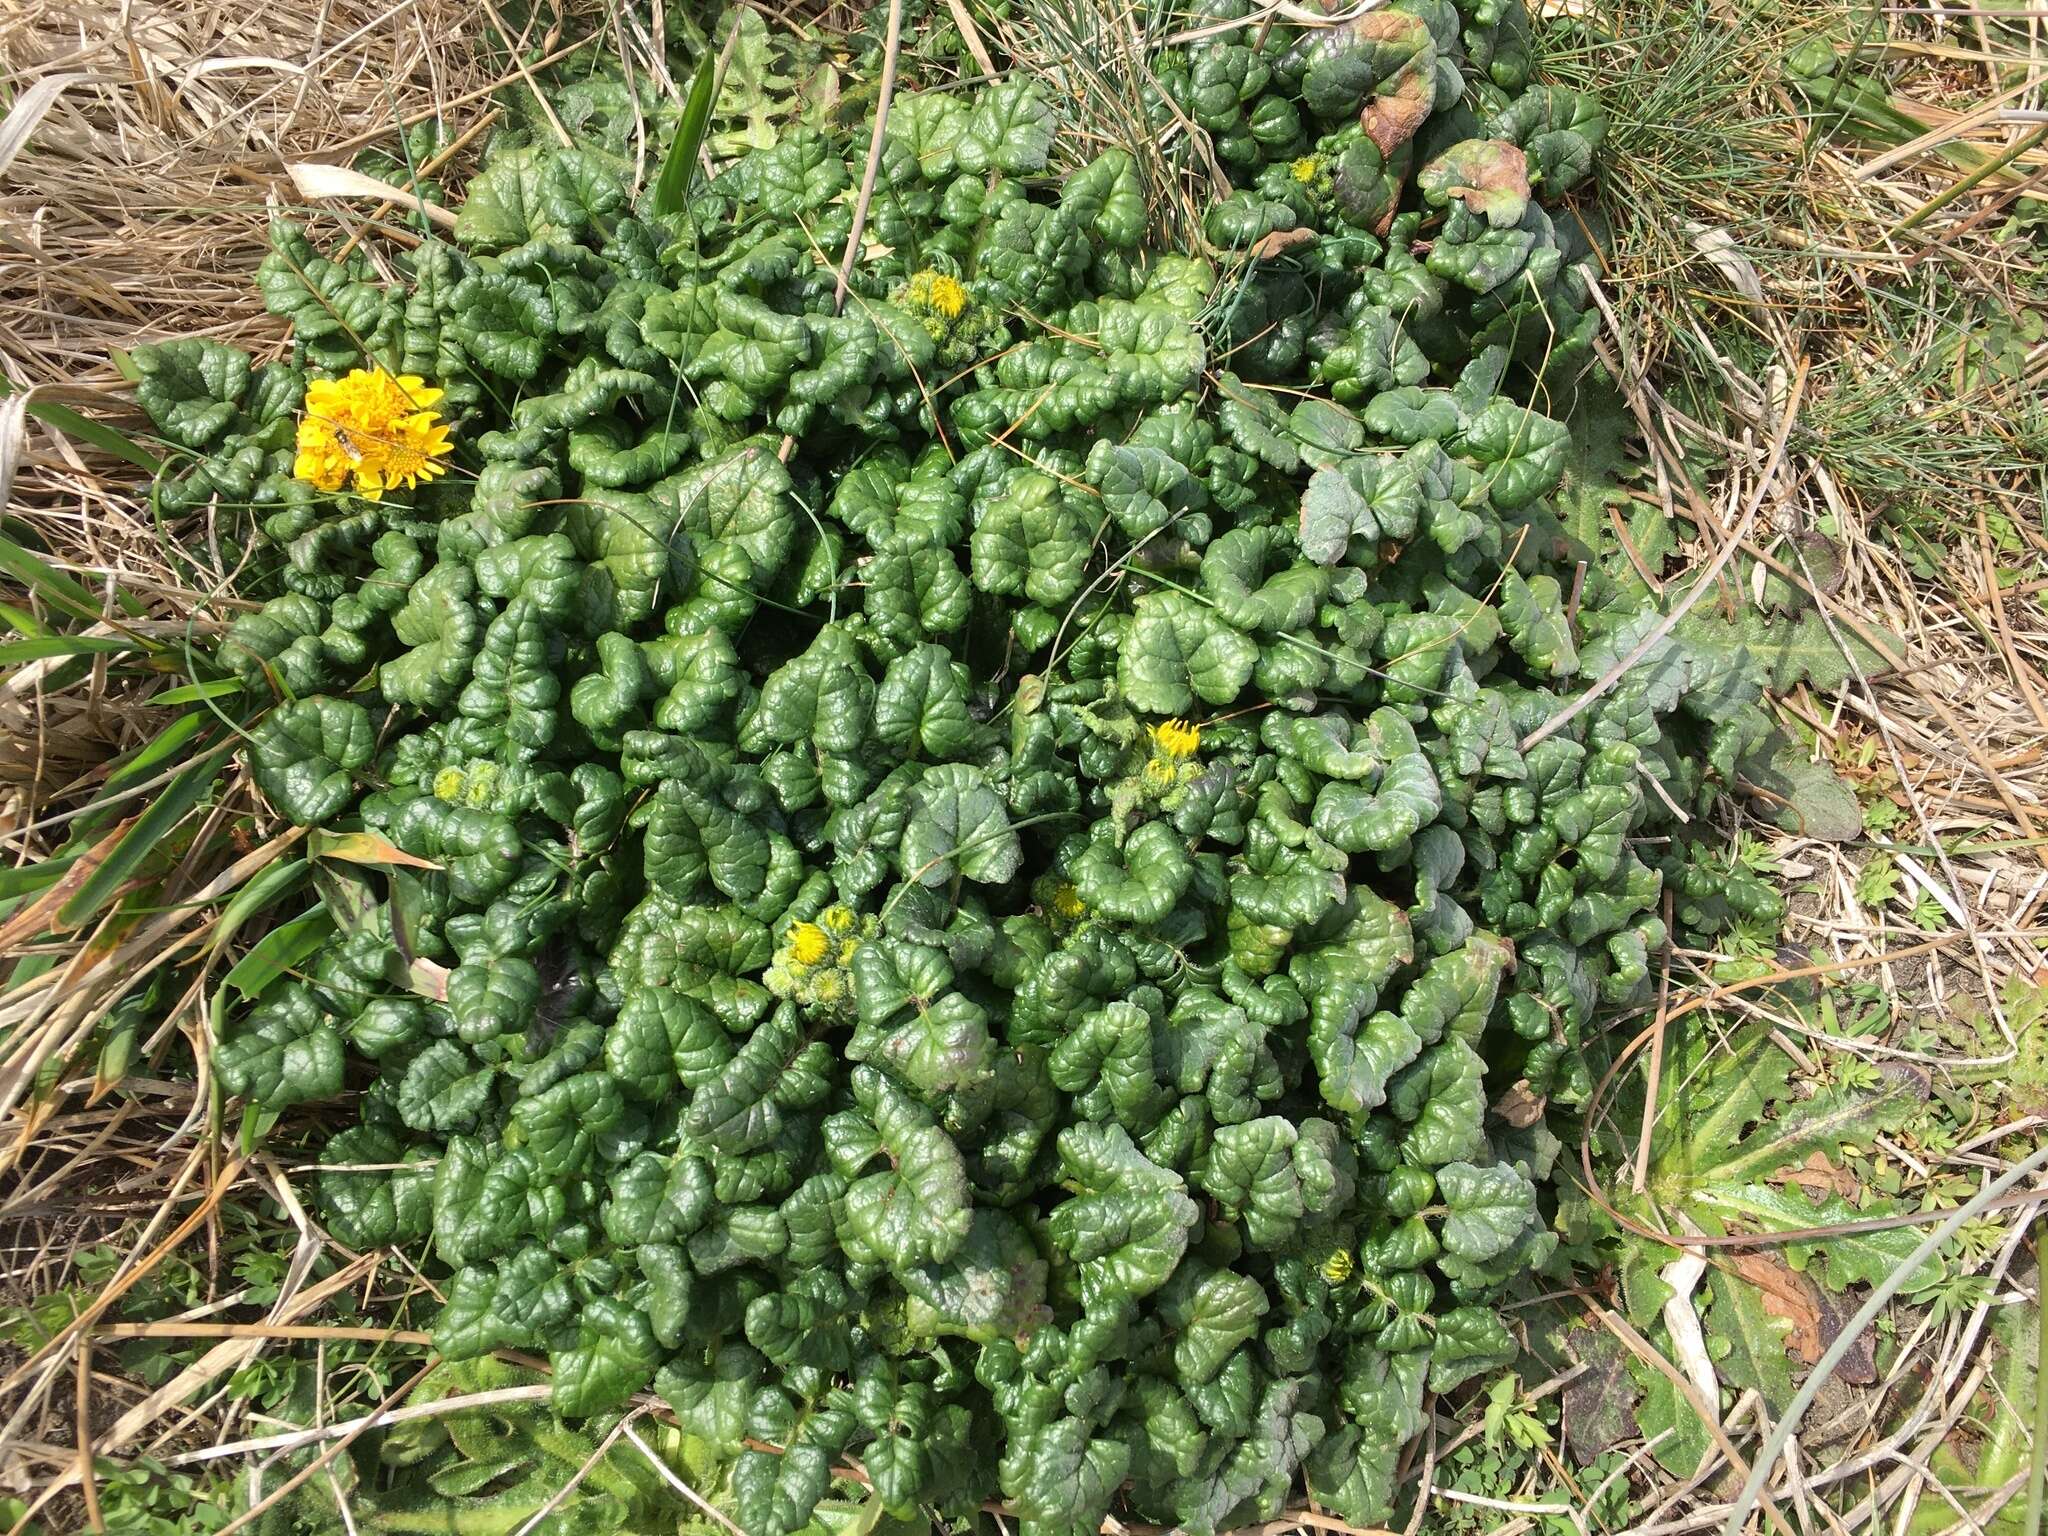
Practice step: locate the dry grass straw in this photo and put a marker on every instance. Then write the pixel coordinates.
(151, 140)
(1771, 241)
(146, 148)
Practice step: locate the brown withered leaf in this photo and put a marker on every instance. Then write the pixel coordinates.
(1820, 1178)
(41, 915)
(1520, 1106)
(1792, 1296)
(1391, 120)
(1404, 96)
(1859, 1365)
(1489, 176)
(1280, 242)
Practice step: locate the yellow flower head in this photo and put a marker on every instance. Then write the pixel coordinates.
(472, 784)
(1067, 904)
(808, 944)
(838, 918)
(939, 293)
(1161, 773)
(379, 431)
(1337, 1267)
(1177, 739)
(1304, 170)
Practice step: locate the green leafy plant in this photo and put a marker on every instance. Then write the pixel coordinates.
(499, 1468)
(1735, 1137)
(943, 880)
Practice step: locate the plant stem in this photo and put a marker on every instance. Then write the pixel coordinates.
(2030, 1522)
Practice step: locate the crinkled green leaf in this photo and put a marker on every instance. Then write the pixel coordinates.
(306, 753)
(1179, 649)
(957, 825)
(1008, 128)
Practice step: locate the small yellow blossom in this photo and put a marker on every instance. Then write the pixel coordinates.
(808, 944)
(375, 429)
(448, 783)
(1337, 1267)
(1177, 739)
(1304, 170)
(809, 966)
(939, 293)
(1161, 773)
(1067, 904)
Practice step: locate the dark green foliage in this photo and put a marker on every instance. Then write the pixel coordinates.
(840, 996)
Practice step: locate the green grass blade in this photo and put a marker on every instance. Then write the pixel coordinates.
(117, 1050)
(20, 882)
(672, 187)
(147, 760)
(96, 434)
(257, 1123)
(14, 652)
(22, 622)
(194, 693)
(280, 951)
(32, 571)
(270, 886)
(160, 749)
(144, 838)
(61, 418)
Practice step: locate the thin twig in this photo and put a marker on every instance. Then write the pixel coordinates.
(555, 1499)
(1994, 599)
(427, 168)
(874, 166)
(115, 1290)
(668, 1475)
(1643, 1350)
(378, 1420)
(88, 1485)
(320, 1462)
(1642, 1173)
(1698, 589)
(971, 37)
(541, 97)
(177, 1330)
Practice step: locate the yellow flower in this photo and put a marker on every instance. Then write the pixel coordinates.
(1304, 170)
(1177, 739)
(808, 944)
(1337, 1267)
(1067, 904)
(810, 965)
(939, 293)
(1161, 773)
(368, 426)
